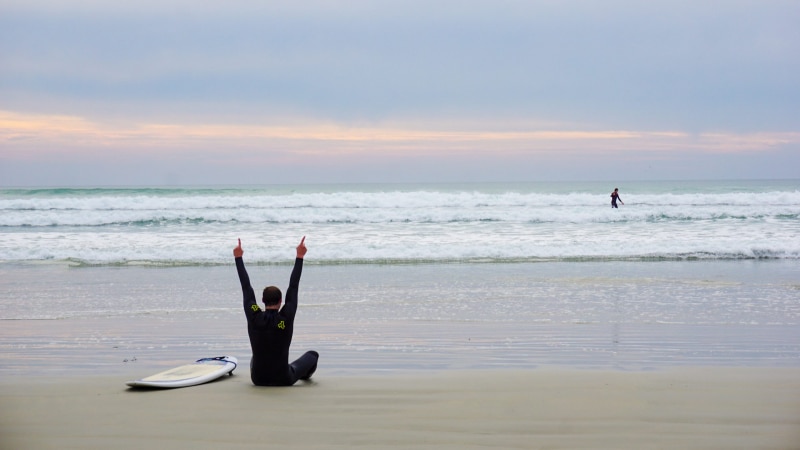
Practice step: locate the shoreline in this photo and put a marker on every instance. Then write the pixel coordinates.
(692, 407)
(563, 356)
(114, 346)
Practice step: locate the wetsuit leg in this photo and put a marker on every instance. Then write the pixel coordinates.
(300, 369)
(305, 365)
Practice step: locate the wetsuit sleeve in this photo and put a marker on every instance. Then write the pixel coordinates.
(249, 296)
(290, 306)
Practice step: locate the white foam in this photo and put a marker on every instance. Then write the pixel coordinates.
(198, 227)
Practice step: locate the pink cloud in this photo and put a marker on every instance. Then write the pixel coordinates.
(33, 137)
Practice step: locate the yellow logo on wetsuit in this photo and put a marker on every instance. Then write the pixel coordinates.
(255, 308)
(281, 325)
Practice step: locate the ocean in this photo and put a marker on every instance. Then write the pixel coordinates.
(407, 276)
(385, 224)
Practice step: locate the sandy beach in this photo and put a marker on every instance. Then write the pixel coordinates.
(689, 408)
(584, 355)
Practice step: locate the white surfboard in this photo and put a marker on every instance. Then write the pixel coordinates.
(201, 371)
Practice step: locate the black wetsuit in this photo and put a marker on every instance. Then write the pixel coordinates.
(614, 198)
(270, 334)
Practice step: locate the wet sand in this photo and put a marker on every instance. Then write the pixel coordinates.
(569, 357)
(554, 408)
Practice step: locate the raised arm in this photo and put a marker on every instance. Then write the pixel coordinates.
(290, 305)
(248, 295)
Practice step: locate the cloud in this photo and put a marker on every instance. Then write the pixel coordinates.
(41, 136)
(616, 64)
(404, 89)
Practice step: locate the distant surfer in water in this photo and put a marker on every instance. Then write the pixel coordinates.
(271, 330)
(614, 197)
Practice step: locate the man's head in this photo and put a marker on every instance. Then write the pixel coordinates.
(271, 297)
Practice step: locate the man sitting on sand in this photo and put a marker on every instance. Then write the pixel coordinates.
(271, 330)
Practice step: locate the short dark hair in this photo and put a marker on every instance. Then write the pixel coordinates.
(271, 296)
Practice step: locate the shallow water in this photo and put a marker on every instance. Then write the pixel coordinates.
(366, 317)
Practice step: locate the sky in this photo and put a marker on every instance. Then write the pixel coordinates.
(192, 92)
